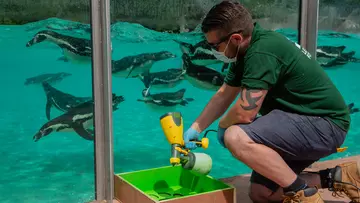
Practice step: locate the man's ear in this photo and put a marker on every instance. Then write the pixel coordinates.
(237, 38)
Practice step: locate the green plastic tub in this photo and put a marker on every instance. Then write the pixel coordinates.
(171, 182)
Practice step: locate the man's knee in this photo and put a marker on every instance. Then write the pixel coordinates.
(235, 137)
(259, 194)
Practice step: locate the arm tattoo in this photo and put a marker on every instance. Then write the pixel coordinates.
(251, 100)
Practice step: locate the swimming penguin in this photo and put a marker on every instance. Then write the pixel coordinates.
(48, 77)
(75, 49)
(335, 35)
(342, 59)
(163, 79)
(201, 76)
(165, 99)
(329, 51)
(78, 119)
(352, 109)
(60, 100)
(133, 66)
(331, 62)
(200, 53)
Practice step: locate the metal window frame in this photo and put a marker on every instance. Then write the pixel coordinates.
(102, 94)
(308, 25)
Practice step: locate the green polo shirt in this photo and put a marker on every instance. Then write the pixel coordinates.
(295, 81)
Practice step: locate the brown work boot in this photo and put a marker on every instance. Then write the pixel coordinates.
(308, 195)
(347, 180)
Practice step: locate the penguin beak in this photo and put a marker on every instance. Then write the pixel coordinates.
(29, 43)
(41, 134)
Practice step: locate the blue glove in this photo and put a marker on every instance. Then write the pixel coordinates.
(190, 134)
(220, 136)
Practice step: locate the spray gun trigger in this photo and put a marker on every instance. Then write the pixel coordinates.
(197, 142)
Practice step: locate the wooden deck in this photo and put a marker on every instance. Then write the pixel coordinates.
(241, 183)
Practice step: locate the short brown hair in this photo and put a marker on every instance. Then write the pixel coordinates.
(228, 16)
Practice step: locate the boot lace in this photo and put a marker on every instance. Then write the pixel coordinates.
(338, 192)
(292, 198)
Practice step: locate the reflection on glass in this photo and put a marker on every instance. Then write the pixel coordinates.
(47, 132)
(338, 52)
(149, 57)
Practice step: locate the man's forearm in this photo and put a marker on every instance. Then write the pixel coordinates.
(212, 111)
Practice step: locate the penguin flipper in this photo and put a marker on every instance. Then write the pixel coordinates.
(189, 99)
(352, 109)
(48, 109)
(146, 80)
(131, 69)
(183, 103)
(80, 130)
(91, 131)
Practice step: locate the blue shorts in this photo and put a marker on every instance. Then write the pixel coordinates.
(300, 140)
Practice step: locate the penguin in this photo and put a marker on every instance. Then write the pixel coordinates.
(48, 77)
(75, 49)
(342, 59)
(336, 35)
(163, 79)
(200, 54)
(165, 99)
(331, 62)
(201, 76)
(329, 51)
(78, 119)
(133, 66)
(60, 100)
(352, 110)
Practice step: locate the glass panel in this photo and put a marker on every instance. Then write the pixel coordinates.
(153, 38)
(45, 84)
(338, 53)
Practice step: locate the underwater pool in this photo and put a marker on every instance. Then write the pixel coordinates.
(60, 166)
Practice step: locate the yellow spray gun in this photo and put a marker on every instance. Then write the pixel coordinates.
(172, 125)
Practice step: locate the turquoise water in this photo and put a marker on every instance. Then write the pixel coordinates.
(59, 167)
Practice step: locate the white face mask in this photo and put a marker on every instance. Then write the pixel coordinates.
(222, 57)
